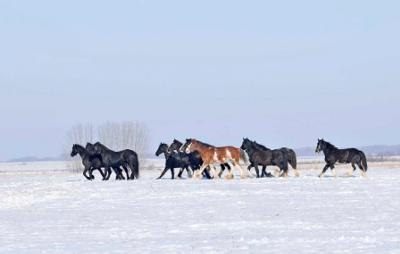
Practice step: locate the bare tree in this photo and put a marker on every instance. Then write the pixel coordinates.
(117, 136)
(126, 135)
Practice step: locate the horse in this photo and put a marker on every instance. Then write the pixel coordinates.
(173, 160)
(216, 155)
(125, 159)
(90, 162)
(264, 157)
(117, 170)
(194, 157)
(335, 155)
(289, 153)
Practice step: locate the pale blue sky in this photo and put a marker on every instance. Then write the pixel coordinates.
(281, 72)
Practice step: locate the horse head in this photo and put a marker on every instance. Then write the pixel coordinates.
(99, 147)
(90, 148)
(186, 147)
(162, 148)
(320, 146)
(246, 144)
(74, 151)
(175, 146)
(77, 149)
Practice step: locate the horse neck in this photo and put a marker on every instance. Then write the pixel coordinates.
(251, 150)
(204, 144)
(167, 154)
(198, 146)
(328, 148)
(178, 147)
(179, 144)
(260, 147)
(82, 151)
(104, 148)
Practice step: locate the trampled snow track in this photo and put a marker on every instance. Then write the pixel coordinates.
(62, 213)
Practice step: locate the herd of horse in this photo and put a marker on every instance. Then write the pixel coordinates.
(202, 160)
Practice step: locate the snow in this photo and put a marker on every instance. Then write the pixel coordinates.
(63, 213)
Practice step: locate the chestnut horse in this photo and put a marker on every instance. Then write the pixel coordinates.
(216, 155)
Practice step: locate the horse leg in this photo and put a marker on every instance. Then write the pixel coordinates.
(163, 173)
(244, 173)
(199, 173)
(108, 170)
(283, 167)
(249, 167)
(101, 173)
(189, 172)
(256, 168)
(332, 166)
(215, 172)
(180, 173)
(207, 174)
(118, 172)
(229, 175)
(362, 169)
(172, 173)
(84, 173)
(351, 171)
(218, 171)
(91, 173)
(126, 172)
(223, 167)
(324, 170)
(278, 171)
(264, 171)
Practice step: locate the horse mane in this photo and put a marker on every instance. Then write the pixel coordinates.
(104, 147)
(78, 146)
(177, 141)
(329, 145)
(260, 146)
(202, 143)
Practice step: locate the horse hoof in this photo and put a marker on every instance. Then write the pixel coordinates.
(229, 177)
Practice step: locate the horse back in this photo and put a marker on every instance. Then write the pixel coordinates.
(347, 155)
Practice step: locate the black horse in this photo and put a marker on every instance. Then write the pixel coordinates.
(334, 155)
(173, 160)
(111, 159)
(89, 161)
(264, 158)
(117, 170)
(290, 155)
(194, 157)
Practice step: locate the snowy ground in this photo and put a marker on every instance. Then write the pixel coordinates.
(60, 212)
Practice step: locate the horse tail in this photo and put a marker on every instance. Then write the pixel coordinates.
(292, 159)
(243, 156)
(364, 161)
(136, 170)
(134, 165)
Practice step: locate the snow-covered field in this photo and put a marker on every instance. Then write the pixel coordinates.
(60, 212)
